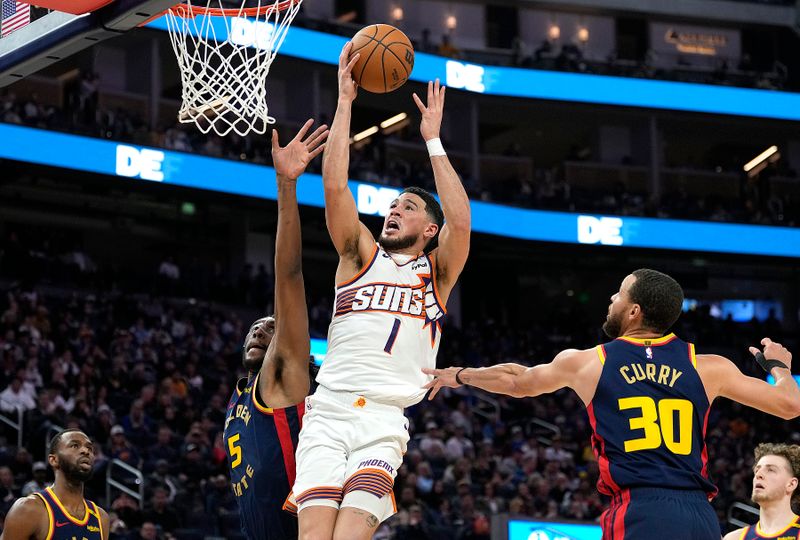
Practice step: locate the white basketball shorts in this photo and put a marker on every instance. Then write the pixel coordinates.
(348, 453)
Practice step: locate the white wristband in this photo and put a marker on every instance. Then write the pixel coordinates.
(435, 147)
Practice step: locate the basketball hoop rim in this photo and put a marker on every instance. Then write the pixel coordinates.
(183, 10)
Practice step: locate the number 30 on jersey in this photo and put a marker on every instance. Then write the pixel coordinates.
(669, 422)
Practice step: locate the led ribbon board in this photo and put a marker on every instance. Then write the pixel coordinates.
(535, 84)
(547, 530)
(238, 178)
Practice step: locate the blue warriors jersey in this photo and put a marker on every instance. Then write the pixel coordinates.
(754, 532)
(64, 526)
(261, 443)
(649, 416)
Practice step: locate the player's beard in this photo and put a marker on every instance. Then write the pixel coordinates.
(398, 243)
(73, 472)
(613, 326)
(764, 496)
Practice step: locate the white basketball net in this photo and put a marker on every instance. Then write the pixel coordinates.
(224, 62)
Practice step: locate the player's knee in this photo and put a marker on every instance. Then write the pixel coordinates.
(316, 523)
(315, 535)
(316, 531)
(353, 524)
(342, 533)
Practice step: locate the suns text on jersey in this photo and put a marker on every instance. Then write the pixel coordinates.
(394, 298)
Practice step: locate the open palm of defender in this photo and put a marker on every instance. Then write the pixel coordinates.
(291, 160)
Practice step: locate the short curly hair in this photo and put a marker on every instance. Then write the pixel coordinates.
(791, 453)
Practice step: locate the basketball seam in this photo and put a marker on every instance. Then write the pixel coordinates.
(383, 69)
(386, 47)
(370, 39)
(366, 61)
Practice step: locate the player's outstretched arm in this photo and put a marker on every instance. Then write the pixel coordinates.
(291, 342)
(513, 379)
(451, 255)
(352, 240)
(721, 377)
(26, 517)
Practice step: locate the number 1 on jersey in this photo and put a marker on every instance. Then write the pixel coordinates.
(392, 336)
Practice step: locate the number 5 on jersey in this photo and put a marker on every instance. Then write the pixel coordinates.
(235, 451)
(658, 424)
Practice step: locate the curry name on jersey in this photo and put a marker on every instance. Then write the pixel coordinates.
(649, 416)
(386, 326)
(64, 526)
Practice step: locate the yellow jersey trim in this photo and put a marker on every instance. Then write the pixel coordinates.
(744, 533)
(601, 354)
(760, 532)
(99, 519)
(70, 517)
(256, 399)
(50, 518)
(649, 341)
(692, 355)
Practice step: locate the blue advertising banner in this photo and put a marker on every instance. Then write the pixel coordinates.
(547, 530)
(535, 84)
(246, 179)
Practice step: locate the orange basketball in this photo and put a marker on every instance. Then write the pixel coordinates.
(386, 61)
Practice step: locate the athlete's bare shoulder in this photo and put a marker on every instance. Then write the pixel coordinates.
(734, 535)
(26, 520)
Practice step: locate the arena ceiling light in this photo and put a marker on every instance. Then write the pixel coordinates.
(757, 164)
(364, 134)
(393, 120)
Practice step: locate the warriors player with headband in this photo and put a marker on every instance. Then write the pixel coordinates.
(390, 300)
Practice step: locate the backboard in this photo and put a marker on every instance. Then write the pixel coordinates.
(59, 34)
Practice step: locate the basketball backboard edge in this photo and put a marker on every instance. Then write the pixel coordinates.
(59, 35)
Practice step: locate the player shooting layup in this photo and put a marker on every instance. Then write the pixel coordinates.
(390, 299)
(648, 396)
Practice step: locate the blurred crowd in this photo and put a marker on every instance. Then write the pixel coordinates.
(149, 378)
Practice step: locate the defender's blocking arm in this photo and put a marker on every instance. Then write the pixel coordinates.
(513, 379)
(291, 341)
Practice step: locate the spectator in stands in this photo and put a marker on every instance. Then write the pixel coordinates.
(8, 490)
(127, 510)
(446, 47)
(148, 531)
(137, 425)
(16, 397)
(169, 275)
(39, 481)
(121, 448)
(161, 513)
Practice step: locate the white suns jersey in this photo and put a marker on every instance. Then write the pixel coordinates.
(386, 327)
